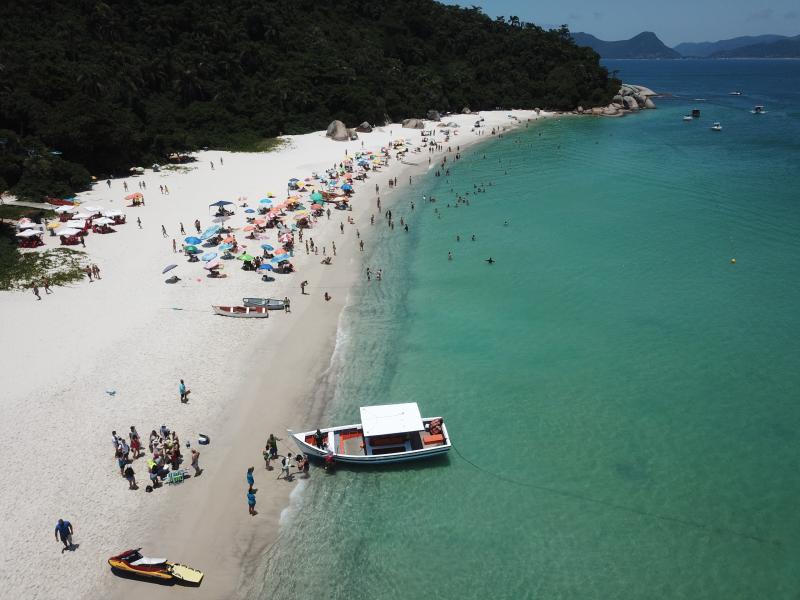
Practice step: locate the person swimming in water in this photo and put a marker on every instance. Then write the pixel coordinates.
(490, 260)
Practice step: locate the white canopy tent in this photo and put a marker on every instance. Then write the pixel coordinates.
(387, 419)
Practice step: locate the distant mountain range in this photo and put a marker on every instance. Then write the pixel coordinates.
(644, 45)
(647, 45)
(705, 49)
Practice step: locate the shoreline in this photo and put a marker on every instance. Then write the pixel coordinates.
(134, 336)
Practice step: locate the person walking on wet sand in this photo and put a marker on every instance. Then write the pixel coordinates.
(196, 463)
(46, 285)
(303, 287)
(36, 292)
(250, 480)
(184, 392)
(95, 271)
(251, 503)
(197, 225)
(64, 531)
(164, 231)
(286, 304)
(139, 222)
(88, 271)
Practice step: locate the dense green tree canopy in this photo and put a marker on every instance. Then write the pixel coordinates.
(108, 84)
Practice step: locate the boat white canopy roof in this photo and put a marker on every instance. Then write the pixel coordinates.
(387, 419)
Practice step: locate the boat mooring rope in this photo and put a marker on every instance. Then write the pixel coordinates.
(717, 530)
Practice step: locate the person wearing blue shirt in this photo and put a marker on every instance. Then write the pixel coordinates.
(250, 481)
(251, 503)
(184, 392)
(64, 531)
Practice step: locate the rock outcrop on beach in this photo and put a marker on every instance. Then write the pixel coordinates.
(433, 115)
(365, 127)
(413, 123)
(630, 98)
(337, 131)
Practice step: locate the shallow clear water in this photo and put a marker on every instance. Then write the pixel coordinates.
(623, 399)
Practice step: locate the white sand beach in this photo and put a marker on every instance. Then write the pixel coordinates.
(101, 356)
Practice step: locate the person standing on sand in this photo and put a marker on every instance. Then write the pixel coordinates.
(286, 304)
(267, 457)
(183, 231)
(197, 225)
(196, 463)
(303, 287)
(64, 531)
(88, 271)
(184, 392)
(136, 443)
(164, 231)
(36, 292)
(250, 480)
(83, 242)
(286, 464)
(96, 271)
(139, 222)
(46, 284)
(174, 246)
(272, 444)
(131, 477)
(251, 503)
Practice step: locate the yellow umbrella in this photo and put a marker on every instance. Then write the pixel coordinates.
(54, 224)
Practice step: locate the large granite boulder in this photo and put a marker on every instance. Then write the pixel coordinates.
(648, 103)
(630, 103)
(466, 111)
(433, 115)
(337, 131)
(414, 124)
(365, 127)
(351, 133)
(617, 99)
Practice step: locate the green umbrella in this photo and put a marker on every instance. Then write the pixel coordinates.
(246, 257)
(192, 250)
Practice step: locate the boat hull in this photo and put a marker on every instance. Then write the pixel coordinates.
(366, 459)
(242, 312)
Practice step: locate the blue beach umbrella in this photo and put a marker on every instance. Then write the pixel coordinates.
(224, 247)
(281, 257)
(265, 201)
(210, 232)
(221, 203)
(347, 187)
(265, 267)
(249, 210)
(209, 256)
(266, 247)
(193, 240)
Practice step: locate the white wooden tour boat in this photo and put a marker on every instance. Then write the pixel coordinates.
(387, 433)
(247, 312)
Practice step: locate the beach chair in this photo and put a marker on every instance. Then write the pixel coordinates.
(176, 476)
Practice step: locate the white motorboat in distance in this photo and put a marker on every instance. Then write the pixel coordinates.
(716, 126)
(387, 433)
(688, 118)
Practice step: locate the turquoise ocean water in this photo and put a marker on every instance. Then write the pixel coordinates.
(623, 400)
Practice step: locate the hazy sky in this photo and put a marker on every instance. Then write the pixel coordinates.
(673, 21)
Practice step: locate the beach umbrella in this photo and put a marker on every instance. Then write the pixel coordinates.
(193, 250)
(67, 231)
(224, 247)
(210, 232)
(265, 201)
(316, 196)
(64, 209)
(259, 221)
(347, 187)
(209, 256)
(281, 257)
(228, 240)
(316, 206)
(133, 196)
(26, 224)
(103, 221)
(54, 225)
(248, 228)
(221, 203)
(193, 240)
(211, 265)
(246, 256)
(112, 213)
(168, 268)
(91, 209)
(28, 233)
(265, 267)
(267, 247)
(249, 210)
(285, 237)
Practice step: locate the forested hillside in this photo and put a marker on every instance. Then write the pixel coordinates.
(98, 86)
